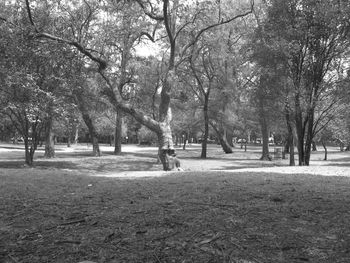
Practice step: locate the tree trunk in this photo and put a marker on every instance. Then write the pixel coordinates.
(28, 152)
(290, 138)
(325, 149)
(264, 132)
(185, 140)
(300, 128)
(165, 141)
(309, 136)
(31, 146)
(229, 138)
(93, 135)
(76, 135)
(49, 138)
(221, 134)
(69, 142)
(224, 143)
(118, 133)
(88, 121)
(314, 146)
(206, 127)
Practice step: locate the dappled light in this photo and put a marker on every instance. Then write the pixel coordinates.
(174, 131)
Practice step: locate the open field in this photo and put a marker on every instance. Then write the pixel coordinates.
(228, 208)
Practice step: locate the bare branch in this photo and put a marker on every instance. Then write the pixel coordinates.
(222, 22)
(30, 16)
(150, 14)
(148, 36)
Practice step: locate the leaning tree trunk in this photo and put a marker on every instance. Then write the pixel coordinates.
(224, 143)
(222, 136)
(89, 123)
(93, 134)
(49, 138)
(118, 133)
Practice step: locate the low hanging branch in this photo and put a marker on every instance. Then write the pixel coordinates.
(101, 62)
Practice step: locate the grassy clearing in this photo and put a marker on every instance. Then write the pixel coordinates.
(63, 212)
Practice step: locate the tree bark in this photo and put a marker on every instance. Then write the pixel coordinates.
(309, 136)
(264, 132)
(290, 138)
(89, 123)
(222, 136)
(76, 134)
(49, 138)
(93, 134)
(118, 133)
(300, 129)
(206, 127)
(325, 150)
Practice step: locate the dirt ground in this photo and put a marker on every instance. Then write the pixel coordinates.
(227, 208)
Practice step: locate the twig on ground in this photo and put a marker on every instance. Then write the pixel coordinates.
(68, 242)
(73, 222)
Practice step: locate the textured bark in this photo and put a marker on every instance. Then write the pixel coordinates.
(290, 138)
(264, 131)
(93, 134)
(300, 129)
(309, 136)
(206, 127)
(165, 141)
(49, 138)
(222, 136)
(79, 99)
(28, 152)
(265, 138)
(118, 133)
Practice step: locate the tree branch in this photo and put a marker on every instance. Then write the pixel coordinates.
(102, 63)
(150, 14)
(199, 34)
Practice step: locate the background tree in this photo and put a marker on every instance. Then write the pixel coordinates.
(312, 47)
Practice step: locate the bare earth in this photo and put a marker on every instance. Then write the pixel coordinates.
(227, 208)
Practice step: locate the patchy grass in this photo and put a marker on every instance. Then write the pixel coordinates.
(60, 211)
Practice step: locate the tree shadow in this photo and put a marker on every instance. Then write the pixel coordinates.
(19, 164)
(341, 162)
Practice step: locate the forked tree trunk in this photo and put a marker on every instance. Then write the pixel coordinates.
(93, 134)
(89, 123)
(31, 146)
